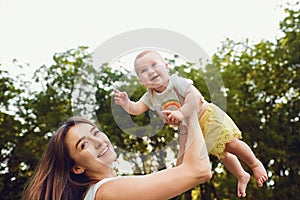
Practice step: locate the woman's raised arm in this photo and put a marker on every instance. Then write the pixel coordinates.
(168, 183)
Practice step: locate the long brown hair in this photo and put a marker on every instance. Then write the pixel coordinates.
(53, 179)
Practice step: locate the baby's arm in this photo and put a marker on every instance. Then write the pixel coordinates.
(133, 108)
(173, 116)
(191, 102)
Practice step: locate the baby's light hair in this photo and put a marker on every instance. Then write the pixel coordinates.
(140, 55)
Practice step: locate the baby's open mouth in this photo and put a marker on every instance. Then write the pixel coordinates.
(153, 78)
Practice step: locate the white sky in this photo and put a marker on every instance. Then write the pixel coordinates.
(32, 31)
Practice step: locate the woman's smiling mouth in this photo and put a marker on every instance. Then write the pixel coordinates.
(103, 152)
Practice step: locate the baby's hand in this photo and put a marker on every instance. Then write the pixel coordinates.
(173, 116)
(121, 98)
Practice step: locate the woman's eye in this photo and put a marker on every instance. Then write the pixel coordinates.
(97, 133)
(83, 145)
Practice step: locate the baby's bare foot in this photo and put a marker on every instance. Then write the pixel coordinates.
(260, 173)
(242, 184)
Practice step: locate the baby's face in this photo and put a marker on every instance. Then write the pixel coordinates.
(152, 71)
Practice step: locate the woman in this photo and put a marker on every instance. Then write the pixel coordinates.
(77, 164)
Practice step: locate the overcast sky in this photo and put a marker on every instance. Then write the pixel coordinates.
(32, 31)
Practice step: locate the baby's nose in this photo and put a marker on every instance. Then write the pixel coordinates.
(150, 70)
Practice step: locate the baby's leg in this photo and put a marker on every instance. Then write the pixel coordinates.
(233, 165)
(243, 152)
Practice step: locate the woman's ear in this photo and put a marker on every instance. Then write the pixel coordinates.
(77, 170)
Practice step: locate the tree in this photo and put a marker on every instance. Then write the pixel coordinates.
(9, 127)
(35, 117)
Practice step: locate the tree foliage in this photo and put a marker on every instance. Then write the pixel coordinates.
(257, 84)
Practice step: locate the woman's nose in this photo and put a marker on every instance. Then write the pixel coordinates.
(97, 143)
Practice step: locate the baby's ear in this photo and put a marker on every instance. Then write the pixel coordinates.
(77, 170)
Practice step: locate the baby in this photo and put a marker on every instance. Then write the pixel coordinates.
(176, 98)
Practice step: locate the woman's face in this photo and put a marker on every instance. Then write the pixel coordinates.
(90, 149)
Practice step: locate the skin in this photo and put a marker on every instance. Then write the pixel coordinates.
(93, 155)
(243, 152)
(233, 165)
(92, 151)
(152, 72)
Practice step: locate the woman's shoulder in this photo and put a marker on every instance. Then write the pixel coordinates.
(90, 195)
